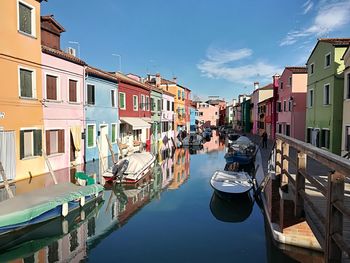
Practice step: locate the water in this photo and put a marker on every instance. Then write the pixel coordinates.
(171, 217)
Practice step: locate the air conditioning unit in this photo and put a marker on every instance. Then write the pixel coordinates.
(71, 51)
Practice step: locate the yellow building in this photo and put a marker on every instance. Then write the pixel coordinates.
(21, 111)
(179, 103)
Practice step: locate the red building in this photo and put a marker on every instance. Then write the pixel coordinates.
(221, 106)
(275, 98)
(134, 112)
(266, 115)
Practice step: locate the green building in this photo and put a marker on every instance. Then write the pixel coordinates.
(325, 91)
(246, 121)
(156, 111)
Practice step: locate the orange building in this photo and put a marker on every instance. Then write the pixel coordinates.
(21, 111)
(181, 168)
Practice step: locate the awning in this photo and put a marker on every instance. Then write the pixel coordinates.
(136, 123)
(149, 120)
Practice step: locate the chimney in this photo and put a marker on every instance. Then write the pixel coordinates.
(275, 78)
(175, 79)
(256, 85)
(158, 80)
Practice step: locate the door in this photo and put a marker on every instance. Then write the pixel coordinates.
(103, 147)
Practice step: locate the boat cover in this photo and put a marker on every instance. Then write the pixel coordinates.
(25, 207)
(243, 140)
(138, 162)
(231, 182)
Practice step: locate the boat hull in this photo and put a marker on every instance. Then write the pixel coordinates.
(241, 159)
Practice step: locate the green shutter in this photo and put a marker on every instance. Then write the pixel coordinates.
(21, 144)
(113, 132)
(121, 100)
(90, 135)
(37, 142)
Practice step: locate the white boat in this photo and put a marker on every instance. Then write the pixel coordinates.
(192, 140)
(131, 168)
(229, 184)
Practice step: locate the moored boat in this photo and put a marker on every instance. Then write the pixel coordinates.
(192, 139)
(229, 184)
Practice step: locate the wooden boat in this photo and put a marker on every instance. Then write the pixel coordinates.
(130, 169)
(45, 204)
(192, 139)
(230, 184)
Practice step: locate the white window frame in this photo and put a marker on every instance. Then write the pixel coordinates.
(310, 103)
(116, 132)
(115, 98)
(33, 82)
(147, 98)
(124, 100)
(33, 18)
(137, 102)
(325, 60)
(87, 135)
(78, 90)
(87, 94)
(312, 68)
(324, 94)
(32, 129)
(143, 102)
(58, 85)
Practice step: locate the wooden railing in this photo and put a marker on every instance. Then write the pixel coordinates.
(333, 236)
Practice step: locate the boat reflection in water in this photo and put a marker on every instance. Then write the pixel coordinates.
(214, 145)
(231, 210)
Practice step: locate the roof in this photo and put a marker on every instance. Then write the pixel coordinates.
(101, 74)
(63, 55)
(169, 82)
(334, 41)
(122, 78)
(297, 70)
(267, 87)
(49, 18)
(168, 93)
(345, 53)
(214, 102)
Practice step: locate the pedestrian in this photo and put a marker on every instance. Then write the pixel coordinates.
(264, 139)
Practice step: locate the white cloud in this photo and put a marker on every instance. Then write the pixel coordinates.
(219, 65)
(330, 17)
(307, 6)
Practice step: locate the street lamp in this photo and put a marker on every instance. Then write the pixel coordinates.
(76, 43)
(120, 61)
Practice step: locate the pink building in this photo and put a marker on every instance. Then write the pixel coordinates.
(167, 120)
(208, 114)
(291, 104)
(63, 99)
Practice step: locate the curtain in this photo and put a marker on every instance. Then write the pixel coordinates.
(8, 153)
(76, 135)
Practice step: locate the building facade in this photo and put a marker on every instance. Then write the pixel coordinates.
(194, 119)
(291, 104)
(325, 91)
(156, 112)
(188, 108)
(208, 114)
(345, 148)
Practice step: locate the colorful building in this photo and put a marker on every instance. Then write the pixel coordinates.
(291, 105)
(345, 149)
(156, 112)
(101, 118)
(325, 92)
(134, 114)
(187, 108)
(181, 168)
(265, 113)
(246, 121)
(194, 119)
(21, 97)
(208, 114)
(221, 106)
(63, 99)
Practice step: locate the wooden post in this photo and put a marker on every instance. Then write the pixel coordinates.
(334, 223)
(285, 151)
(278, 157)
(49, 166)
(299, 185)
(6, 183)
(111, 149)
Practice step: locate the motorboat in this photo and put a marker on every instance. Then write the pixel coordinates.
(131, 168)
(207, 133)
(192, 139)
(233, 136)
(228, 184)
(242, 156)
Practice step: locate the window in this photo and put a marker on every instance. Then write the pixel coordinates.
(135, 101)
(30, 143)
(279, 128)
(172, 106)
(348, 86)
(290, 81)
(347, 138)
(91, 130)
(287, 129)
(26, 18)
(122, 102)
(325, 138)
(311, 98)
(281, 84)
(326, 94)
(159, 106)
(327, 60)
(114, 133)
(200, 113)
(183, 95)
(168, 105)
(54, 141)
(279, 106)
(311, 68)
(290, 105)
(147, 103)
(51, 87)
(114, 98)
(27, 83)
(90, 94)
(142, 102)
(284, 105)
(308, 135)
(153, 105)
(73, 91)
(178, 94)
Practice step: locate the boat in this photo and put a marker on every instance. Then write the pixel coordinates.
(233, 137)
(242, 157)
(131, 168)
(207, 133)
(228, 184)
(192, 139)
(45, 204)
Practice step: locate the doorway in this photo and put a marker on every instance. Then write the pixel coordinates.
(103, 163)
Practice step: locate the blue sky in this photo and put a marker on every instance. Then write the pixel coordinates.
(213, 47)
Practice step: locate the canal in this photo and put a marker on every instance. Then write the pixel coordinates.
(172, 216)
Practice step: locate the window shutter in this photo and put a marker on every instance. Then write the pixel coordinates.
(93, 94)
(51, 87)
(73, 91)
(90, 136)
(47, 135)
(37, 142)
(113, 132)
(21, 144)
(61, 141)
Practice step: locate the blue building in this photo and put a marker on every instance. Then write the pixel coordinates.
(194, 119)
(102, 119)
